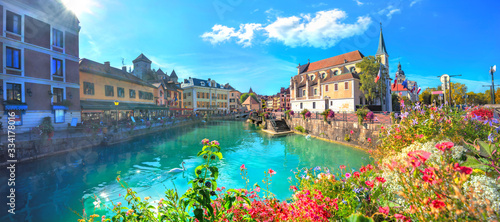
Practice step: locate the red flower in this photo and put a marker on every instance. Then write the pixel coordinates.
(294, 188)
(242, 167)
(398, 137)
(444, 146)
(362, 170)
(463, 169)
(355, 174)
(342, 167)
(429, 175)
(369, 140)
(272, 172)
(369, 183)
(370, 167)
(381, 179)
(438, 204)
(384, 210)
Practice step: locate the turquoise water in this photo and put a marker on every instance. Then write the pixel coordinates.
(48, 188)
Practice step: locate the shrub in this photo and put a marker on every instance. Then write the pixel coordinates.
(304, 113)
(361, 114)
(326, 114)
(300, 129)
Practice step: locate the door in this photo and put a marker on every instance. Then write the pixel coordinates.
(326, 104)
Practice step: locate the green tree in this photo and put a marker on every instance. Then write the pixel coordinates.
(458, 90)
(244, 97)
(369, 70)
(426, 97)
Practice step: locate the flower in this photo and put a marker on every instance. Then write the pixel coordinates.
(347, 175)
(352, 132)
(242, 167)
(362, 169)
(490, 137)
(205, 141)
(294, 188)
(384, 210)
(272, 172)
(369, 140)
(369, 183)
(370, 167)
(444, 146)
(356, 174)
(463, 169)
(342, 167)
(257, 189)
(214, 142)
(380, 179)
(317, 168)
(438, 204)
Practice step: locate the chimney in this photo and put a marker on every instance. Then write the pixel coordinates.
(124, 68)
(209, 79)
(107, 66)
(345, 60)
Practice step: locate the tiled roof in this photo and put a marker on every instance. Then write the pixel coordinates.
(197, 82)
(160, 72)
(173, 74)
(93, 67)
(333, 61)
(397, 88)
(341, 77)
(142, 57)
(250, 100)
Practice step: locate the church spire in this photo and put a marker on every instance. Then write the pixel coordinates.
(381, 44)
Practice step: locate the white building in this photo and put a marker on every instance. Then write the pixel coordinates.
(206, 96)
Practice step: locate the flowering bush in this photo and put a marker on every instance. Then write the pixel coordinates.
(370, 116)
(481, 113)
(288, 113)
(304, 113)
(326, 114)
(361, 114)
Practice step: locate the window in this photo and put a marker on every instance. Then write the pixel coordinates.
(14, 92)
(57, 67)
(58, 95)
(314, 105)
(346, 85)
(336, 86)
(312, 77)
(88, 88)
(189, 94)
(353, 70)
(120, 92)
(197, 94)
(109, 90)
(57, 38)
(232, 94)
(331, 103)
(323, 75)
(336, 72)
(360, 100)
(59, 116)
(206, 95)
(326, 88)
(131, 93)
(13, 58)
(303, 92)
(13, 22)
(315, 91)
(301, 105)
(184, 96)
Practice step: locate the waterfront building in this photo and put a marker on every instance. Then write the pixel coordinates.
(206, 96)
(109, 94)
(234, 99)
(251, 104)
(39, 63)
(334, 83)
(270, 103)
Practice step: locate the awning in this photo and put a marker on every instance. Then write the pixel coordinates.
(110, 105)
(54, 107)
(16, 107)
(181, 109)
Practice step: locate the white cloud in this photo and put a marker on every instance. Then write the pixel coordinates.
(323, 29)
(319, 5)
(254, 11)
(389, 11)
(221, 33)
(414, 2)
(359, 2)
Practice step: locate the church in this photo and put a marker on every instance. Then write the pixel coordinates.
(334, 83)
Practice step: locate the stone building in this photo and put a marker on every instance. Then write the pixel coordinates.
(39, 56)
(206, 96)
(334, 83)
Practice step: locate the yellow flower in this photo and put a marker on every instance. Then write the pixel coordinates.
(478, 171)
(146, 198)
(94, 215)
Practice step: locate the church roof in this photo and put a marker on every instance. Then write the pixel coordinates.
(173, 75)
(141, 57)
(250, 91)
(160, 72)
(381, 44)
(333, 61)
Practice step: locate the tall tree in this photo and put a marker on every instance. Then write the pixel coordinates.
(458, 90)
(369, 69)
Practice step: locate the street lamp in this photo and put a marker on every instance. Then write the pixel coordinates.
(116, 106)
(493, 69)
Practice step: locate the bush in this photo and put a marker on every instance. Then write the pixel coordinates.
(326, 114)
(361, 114)
(300, 129)
(305, 113)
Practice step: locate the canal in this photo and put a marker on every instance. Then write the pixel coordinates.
(47, 189)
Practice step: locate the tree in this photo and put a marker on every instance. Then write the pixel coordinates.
(458, 90)
(369, 70)
(244, 97)
(428, 98)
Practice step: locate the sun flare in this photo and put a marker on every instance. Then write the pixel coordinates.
(80, 6)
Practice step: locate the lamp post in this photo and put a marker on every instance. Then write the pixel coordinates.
(116, 106)
(492, 70)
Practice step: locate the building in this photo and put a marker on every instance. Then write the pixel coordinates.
(234, 99)
(334, 83)
(206, 96)
(410, 92)
(107, 91)
(39, 63)
(251, 104)
(284, 99)
(270, 103)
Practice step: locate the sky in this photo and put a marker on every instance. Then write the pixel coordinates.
(259, 44)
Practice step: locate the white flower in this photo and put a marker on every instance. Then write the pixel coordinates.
(482, 187)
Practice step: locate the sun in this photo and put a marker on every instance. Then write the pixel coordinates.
(80, 6)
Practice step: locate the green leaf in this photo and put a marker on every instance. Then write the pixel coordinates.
(486, 148)
(199, 168)
(214, 171)
(219, 154)
(198, 213)
(357, 217)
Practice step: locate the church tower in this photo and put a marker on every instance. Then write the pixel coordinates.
(142, 65)
(384, 59)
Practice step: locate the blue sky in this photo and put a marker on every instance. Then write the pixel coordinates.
(258, 44)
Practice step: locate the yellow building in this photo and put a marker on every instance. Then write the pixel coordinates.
(206, 96)
(104, 90)
(333, 83)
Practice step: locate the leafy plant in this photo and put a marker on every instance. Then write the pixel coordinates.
(326, 114)
(305, 113)
(361, 114)
(300, 129)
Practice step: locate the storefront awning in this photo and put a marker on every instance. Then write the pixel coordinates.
(55, 107)
(16, 107)
(110, 105)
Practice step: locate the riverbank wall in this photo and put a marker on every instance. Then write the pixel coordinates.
(343, 132)
(39, 147)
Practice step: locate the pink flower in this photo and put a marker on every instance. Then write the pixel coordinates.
(342, 167)
(369, 183)
(362, 169)
(347, 175)
(384, 210)
(370, 167)
(214, 142)
(444, 146)
(272, 172)
(381, 179)
(242, 167)
(294, 188)
(356, 174)
(438, 204)
(103, 218)
(398, 137)
(205, 141)
(399, 216)
(257, 189)
(369, 140)
(352, 132)
(463, 169)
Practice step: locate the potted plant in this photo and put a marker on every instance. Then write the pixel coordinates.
(46, 128)
(326, 114)
(361, 114)
(305, 113)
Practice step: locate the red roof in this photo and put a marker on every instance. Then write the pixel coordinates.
(398, 88)
(336, 60)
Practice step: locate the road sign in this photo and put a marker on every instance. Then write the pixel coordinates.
(444, 78)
